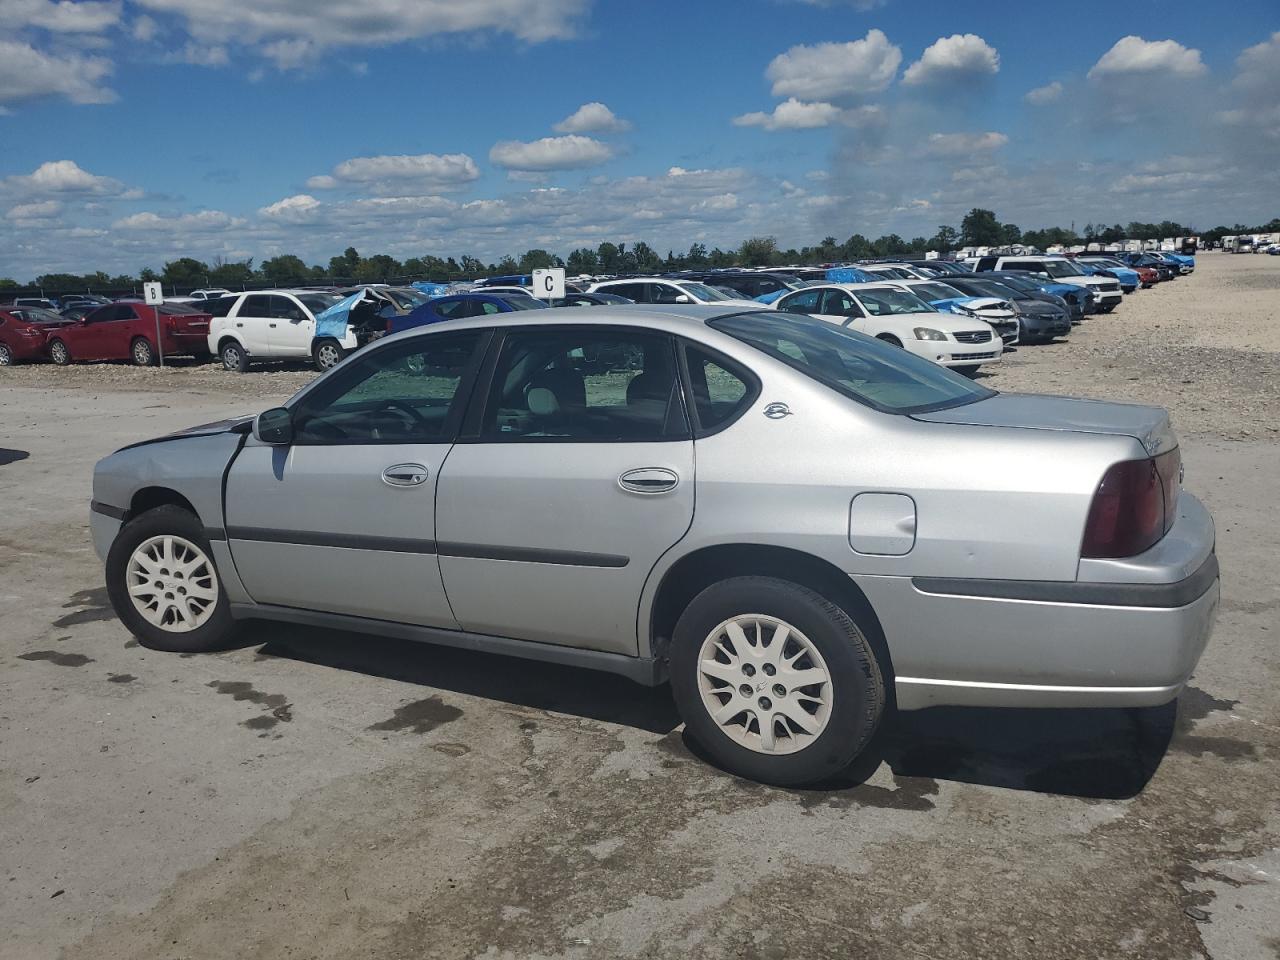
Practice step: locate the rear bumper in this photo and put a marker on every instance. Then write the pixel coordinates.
(1088, 642)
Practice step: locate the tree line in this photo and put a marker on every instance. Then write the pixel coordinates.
(979, 228)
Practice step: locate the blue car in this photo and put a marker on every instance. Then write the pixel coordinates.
(1078, 300)
(1128, 279)
(463, 305)
(1187, 261)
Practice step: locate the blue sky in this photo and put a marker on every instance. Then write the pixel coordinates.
(137, 132)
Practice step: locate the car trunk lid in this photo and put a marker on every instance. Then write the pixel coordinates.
(1148, 425)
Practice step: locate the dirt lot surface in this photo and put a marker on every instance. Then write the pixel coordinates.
(321, 794)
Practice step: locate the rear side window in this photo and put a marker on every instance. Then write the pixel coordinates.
(219, 307)
(721, 389)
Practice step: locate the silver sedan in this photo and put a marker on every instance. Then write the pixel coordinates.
(797, 525)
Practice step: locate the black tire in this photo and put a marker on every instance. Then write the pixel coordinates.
(857, 687)
(890, 339)
(59, 353)
(327, 353)
(214, 633)
(6, 355)
(142, 353)
(233, 357)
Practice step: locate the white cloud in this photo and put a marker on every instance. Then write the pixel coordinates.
(144, 29)
(293, 32)
(791, 114)
(28, 74)
(39, 210)
(199, 55)
(964, 144)
(420, 173)
(1040, 96)
(296, 209)
(958, 57)
(826, 71)
(593, 117)
(202, 221)
(1258, 67)
(550, 153)
(64, 176)
(1133, 55)
(62, 16)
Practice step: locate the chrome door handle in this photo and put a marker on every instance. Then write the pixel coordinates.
(649, 480)
(405, 475)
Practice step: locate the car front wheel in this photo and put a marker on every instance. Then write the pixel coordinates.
(327, 354)
(164, 585)
(233, 357)
(59, 353)
(774, 681)
(6, 355)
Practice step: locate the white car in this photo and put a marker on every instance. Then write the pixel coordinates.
(889, 313)
(272, 325)
(663, 290)
(209, 293)
(889, 271)
(1058, 270)
(1000, 313)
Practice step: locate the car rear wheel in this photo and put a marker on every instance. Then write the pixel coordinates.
(890, 339)
(233, 357)
(6, 355)
(327, 354)
(59, 353)
(163, 583)
(141, 353)
(774, 681)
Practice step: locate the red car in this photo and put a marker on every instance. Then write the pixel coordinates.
(1147, 276)
(24, 331)
(127, 331)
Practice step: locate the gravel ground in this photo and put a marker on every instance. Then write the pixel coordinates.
(315, 794)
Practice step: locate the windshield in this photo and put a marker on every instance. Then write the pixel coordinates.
(895, 272)
(179, 309)
(935, 291)
(854, 365)
(700, 291)
(404, 298)
(1062, 268)
(990, 288)
(318, 303)
(41, 315)
(882, 301)
(1020, 283)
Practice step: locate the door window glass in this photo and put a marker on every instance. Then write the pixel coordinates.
(256, 306)
(804, 302)
(282, 308)
(838, 303)
(721, 389)
(632, 291)
(403, 394)
(585, 384)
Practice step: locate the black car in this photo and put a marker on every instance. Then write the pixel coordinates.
(589, 300)
(1039, 318)
(1078, 302)
(746, 283)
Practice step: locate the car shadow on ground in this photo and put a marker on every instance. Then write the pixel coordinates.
(1095, 754)
(9, 455)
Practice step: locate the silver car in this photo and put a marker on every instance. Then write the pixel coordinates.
(797, 525)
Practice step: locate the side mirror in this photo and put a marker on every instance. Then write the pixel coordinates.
(274, 426)
(682, 298)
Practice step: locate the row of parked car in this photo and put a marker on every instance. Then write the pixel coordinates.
(961, 314)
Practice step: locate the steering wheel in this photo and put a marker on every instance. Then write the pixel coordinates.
(403, 406)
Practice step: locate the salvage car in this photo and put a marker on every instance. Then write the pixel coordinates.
(999, 312)
(268, 325)
(127, 331)
(661, 290)
(902, 319)
(469, 484)
(1040, 319)
(459, 306)
(24, 333)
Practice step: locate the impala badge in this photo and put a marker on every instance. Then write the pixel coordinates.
(776, 411)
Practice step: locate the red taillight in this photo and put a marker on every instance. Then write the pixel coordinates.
(1134, 507)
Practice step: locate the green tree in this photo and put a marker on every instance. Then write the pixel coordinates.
(891, 243)
(583, 260)
(697, 256)
(980, 228)
(470, 267)
(377, 269)
(7, 283)
(946, 239)
(857, 247)
(284, 269)
(1010, 234)
(346, 265)
(185, 273)
(610, 256)
(231, 274)
(147, 275)
(537, 259)
(646, 258)
(757, 251)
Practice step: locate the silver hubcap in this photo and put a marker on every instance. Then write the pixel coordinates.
(230, 358)
(59, 352)
(141, 352)
(765, 684)
(172, 583)
(5, 355)
(328, 355)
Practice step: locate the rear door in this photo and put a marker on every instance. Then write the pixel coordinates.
(570, 480)
(251, 321)
(344, 519)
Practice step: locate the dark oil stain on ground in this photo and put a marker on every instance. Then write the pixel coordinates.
(420, 716)
(121, 678)
(1195, 705)
(130, 644)
(93, 605)
(61, 659)
(276, 706)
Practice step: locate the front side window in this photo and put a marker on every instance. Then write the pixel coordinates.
(584, 384)
(862, 368)
(804, 302)
(838, 303)
(282, 308)
(700, 291)
(409, 393)
(885, 301)
(1062, 268)
(632, 291)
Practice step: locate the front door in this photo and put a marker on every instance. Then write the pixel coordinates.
(291, 329)
(566, 487)
(252, 322)
(343, 519)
